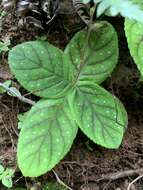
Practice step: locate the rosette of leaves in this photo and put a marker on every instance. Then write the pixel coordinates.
(134, 34)
(69, 84)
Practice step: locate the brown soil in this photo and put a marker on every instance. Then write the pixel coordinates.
(86, 165)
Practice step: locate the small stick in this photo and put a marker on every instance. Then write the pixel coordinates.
(121, 174)
(22, 98)
(60, 181)
(135, 180)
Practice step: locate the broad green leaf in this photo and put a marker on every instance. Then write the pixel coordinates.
(7, 181)
(46, 136)
(38, 66)
(93, 54)
(134, 34)
(50, 73)
(99, 114)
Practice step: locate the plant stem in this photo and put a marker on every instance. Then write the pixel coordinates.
(22, 98)
(60, 181)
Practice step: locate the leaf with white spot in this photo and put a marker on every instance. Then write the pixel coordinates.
(48, 72)
(93, 54)
(38, 66)
(100, 115)
(134, 34)
(46, 136)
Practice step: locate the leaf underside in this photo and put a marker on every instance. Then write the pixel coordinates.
(100, 115)
(44, 140)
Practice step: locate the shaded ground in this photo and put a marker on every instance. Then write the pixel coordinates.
(86, 164)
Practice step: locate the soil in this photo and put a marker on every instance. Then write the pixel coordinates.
(87, 166)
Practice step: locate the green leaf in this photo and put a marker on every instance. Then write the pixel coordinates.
(94, 54)
(7, 181)
(46, 136)
(134, 34)
(38, 66)
(99, 114)
(48, 72)
(1, 169)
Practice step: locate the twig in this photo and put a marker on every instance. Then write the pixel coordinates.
(12, 142)
(121, 174)
(60, 181)
(109, 176)
(135, 180)
(22, 98)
